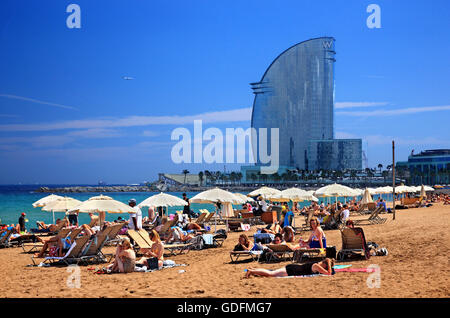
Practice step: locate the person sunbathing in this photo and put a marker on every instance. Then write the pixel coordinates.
(176, 234)
(317, 238)
(288, 234)
(51, 227)
(153, 254)
(125, 258)
(324, 267)
(273, 228)
(61, 245)
(244, 244)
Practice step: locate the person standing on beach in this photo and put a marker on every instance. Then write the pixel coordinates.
(22, 222)
(187, 208)
(135, 218)
(73, 218)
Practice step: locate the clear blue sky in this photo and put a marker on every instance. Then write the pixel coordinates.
(68, 116)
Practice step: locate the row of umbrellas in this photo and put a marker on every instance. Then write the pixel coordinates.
(101, 203)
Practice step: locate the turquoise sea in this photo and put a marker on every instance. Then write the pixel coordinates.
(16, 199)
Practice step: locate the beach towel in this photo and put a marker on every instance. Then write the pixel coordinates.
(208, 239)
(166, 264)
(263, 238)
(356, 270)
(245, 227)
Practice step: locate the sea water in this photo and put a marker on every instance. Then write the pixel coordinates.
(15, 199)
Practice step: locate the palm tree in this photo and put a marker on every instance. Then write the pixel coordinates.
(185, 172)
(380, 166)
(200, 177)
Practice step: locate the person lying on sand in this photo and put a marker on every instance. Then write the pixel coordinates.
(324, 267)
(273, 228)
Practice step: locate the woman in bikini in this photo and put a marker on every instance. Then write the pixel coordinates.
(317, 238)
(155, 252)
(324, 267)
(125, 258)
(244, 243)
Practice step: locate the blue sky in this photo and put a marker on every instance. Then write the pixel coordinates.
(68, 116)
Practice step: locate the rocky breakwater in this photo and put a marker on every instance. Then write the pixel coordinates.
(99, 189)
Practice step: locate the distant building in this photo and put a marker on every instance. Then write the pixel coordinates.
(179, 179)
(296, 95)
(427, 167)
(335, 154)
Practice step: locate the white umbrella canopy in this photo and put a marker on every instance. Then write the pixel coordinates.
(293, 194)
(428, 188)
(367, 198)
(61, 205)
(265, 192)
(215, 195)
(335, 190)
(403, 189)
(244, 197)
(102, 203)
(162, 199)
(42, 202)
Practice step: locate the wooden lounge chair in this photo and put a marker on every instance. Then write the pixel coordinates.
(5, 240)
(372, 219)
(95, 220)
(73, 254)
(254, 255)
(280, 252)
(165, 229)
(235, 226)
(139, 240)
(33, 247)
(113, 234)
(353, 241)
(208, 218)
(305, 226)
(200, 219)
(93, 251)
(177, 248)
(300, 254)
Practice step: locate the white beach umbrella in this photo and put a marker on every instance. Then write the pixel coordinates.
(367, 198)
(162, 199)
(63, 204)
(42, 202)
(334, 190)
(428, 188)
(294, 195)
(402, 189)
(243, 197)
(217, 195)
(102, 203)
(265, 192)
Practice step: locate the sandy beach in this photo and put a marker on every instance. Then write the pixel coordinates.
(417, 266)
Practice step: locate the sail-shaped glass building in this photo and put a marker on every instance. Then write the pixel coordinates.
(296, 95)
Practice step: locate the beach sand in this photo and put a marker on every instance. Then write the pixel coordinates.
(417, 266)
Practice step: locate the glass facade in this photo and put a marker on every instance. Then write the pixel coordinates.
(296, 95)
(335, 154)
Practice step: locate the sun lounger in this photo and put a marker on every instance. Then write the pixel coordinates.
(254, 255)
(178, 248)
(238, 226)
(93, 251)
(140, 241)
(5, 240)
(372, 219)
(353, 241)
(300, 254)
(73, 254)
(113, 234)
(33, 247)
(280, 252)
(202, 216)
(305, 226)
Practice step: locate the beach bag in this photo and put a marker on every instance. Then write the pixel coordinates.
(331, 252)
(152, 263)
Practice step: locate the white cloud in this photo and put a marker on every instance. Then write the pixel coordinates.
(339, 105)
(393, 112)
(235, 115)
(36, 101)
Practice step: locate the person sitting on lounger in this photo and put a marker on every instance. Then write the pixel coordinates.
(51, 227)
(288, 234)
(273, 228)
(317, 238)
(156, 252)
(125, 258)
(164, 220)
(176, 234)
(324, 267)
(63, 244)
(244, 244)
